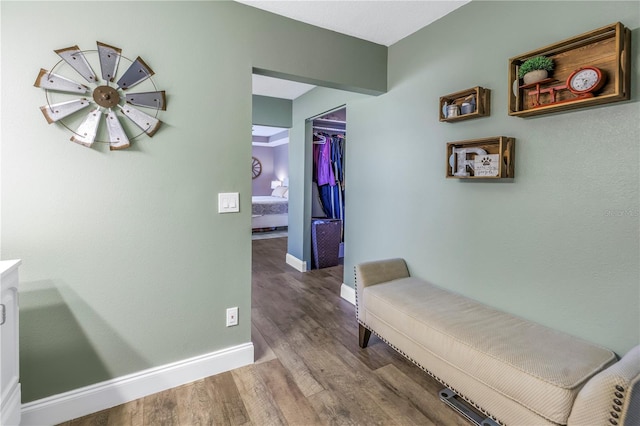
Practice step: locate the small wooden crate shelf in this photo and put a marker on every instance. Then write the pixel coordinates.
(607, 48)
(483, 104)
(502, 145)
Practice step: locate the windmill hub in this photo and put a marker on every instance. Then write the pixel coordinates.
(106, 96)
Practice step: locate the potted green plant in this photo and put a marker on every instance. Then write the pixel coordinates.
(535, 69)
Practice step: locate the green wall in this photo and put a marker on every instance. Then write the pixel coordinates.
(126, 263)
(274, 112)
(560, 243)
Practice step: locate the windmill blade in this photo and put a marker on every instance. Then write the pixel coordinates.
(57, 111)
(117, 137)
(86, 133)
(155, 100)
(147, 123)
(137, 73)
(50, 81)
(74, 57)
(109, 59)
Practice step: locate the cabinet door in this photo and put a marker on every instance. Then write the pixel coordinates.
(9, 350)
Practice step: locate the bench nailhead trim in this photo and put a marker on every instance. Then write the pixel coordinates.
(616, 405)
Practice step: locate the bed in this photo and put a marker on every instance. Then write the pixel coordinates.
(270, 211)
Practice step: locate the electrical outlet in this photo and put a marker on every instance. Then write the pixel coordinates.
(232, 316)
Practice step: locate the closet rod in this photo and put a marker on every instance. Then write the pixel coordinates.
(330, 128)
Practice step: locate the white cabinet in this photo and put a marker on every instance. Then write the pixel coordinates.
(10, 400)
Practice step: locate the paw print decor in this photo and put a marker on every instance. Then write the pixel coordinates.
(486, 161)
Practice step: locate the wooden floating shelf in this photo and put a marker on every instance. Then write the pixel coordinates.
(607, 48)
(483, 104)
(502, 146)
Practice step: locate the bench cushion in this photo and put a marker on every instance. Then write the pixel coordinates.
(533, 365)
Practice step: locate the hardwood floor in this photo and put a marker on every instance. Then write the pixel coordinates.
(309, 369)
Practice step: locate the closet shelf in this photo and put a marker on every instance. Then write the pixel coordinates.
(329, 121)
(330, 129)
(330, 125)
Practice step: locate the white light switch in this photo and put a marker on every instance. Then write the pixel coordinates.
(228, 202)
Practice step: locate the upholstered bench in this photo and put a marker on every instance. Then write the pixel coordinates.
(515, 371)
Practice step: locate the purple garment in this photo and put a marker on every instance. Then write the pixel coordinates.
(322, 157)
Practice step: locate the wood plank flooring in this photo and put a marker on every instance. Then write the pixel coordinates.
(309, 369)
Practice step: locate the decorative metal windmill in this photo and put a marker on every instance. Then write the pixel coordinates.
(106, 99)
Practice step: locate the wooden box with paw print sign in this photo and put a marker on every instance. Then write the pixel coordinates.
(588, 70)
(488, 158)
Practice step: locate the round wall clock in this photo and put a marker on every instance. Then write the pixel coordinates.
(585, 80)
(256, 167)
(102, 97)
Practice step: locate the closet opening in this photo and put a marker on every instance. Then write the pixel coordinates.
(328, 179)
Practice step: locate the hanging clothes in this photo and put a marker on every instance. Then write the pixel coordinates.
(322, 157)
(328, 153)
(326, 198)
(336, 155)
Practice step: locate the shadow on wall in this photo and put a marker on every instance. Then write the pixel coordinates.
(56, 354)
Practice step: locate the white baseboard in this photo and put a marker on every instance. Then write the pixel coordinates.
(348, 293)
(80, 402)
(296, 263)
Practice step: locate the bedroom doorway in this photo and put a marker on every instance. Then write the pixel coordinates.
(270, 182)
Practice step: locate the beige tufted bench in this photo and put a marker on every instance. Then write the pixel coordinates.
(514, 371)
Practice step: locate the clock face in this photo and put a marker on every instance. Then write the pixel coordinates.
(585, 80)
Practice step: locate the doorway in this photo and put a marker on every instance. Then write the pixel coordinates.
(270, 182)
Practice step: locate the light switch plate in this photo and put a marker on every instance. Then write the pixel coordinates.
(228, 202)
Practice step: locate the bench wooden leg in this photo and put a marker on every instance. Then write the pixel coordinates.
(363, 336)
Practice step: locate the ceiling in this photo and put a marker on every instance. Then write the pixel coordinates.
(278, 88)
(269, 136)
(382, 22)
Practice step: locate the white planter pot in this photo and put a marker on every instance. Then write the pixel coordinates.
(535, 76)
